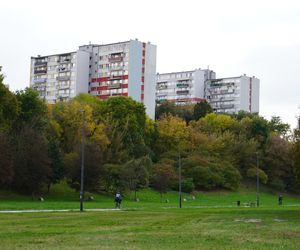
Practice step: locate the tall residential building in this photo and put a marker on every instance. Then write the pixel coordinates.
(60, 77)
(232, 94)
(182, 87)
(125, 68)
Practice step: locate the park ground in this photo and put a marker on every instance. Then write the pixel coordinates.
(209, 220)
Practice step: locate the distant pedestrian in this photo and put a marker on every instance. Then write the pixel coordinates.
(118, 199)
(280, 200)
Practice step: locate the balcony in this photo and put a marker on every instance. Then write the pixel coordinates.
(114, 86)
(37, 63)
(226, 106)
(182, 92)
(40, 80)
(161, 86)
(63, 78)
(44, 71)
(182, 85)
(66, 86)
(114, 77)
(113, 59)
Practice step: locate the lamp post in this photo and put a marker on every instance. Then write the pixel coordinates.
(179, 179)
(82, 161)
(257, 181)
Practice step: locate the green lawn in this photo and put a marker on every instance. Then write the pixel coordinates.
(62, 197)
(208, 220)
(172, 228)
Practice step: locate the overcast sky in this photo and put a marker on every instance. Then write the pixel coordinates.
(259, 38)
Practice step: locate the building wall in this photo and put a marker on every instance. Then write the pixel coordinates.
(148, 93)
(230, 95)
(82, 72)
(182, 87)
(135, 70)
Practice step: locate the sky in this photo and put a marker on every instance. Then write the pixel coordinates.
(259, 38)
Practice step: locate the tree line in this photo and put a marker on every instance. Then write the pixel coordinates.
(124, 149)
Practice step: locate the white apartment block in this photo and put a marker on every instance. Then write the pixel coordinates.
(182, 87)
(118, 69)
(123, 69)
(60, 77)
(233, 94)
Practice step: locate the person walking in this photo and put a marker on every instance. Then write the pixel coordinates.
(118, 200)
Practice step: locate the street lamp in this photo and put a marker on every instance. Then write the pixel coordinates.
(82, 161)
(257, 181)
(179, 177)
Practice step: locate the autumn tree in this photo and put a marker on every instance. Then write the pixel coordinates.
(163, 177)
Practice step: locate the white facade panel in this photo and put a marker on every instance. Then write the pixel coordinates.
(150, 82)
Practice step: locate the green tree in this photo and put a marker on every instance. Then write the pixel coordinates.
(130, 117)
(201, 109)
(9, 108)
(295, 155)
(135, 174)
(33, 110)
(277, 162)
(32, 164)
(6, 161)
(276, 125)
(165, 108)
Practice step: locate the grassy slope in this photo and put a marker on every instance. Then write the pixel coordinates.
(62, 197)
(189, 228)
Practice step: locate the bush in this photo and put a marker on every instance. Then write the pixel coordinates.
(210, 173)
(187, 185)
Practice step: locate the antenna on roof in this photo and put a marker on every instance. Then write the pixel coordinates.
(90, 43)
(207, 66)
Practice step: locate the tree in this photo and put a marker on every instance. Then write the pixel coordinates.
(135, 174)
(209, 172)
(295, 155)
(93, 168)
(9, 107)
(277, 163)
(6, 161)
(276, 125)
(165, 108)
(163, 177)
(171, 132)
(130, 117)
(201, 109)
(32, 164)
(33, 110)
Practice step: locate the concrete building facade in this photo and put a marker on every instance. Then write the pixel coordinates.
(233, 94)
(123, 69)
(118, 69)
(60, 77)
(184, 87)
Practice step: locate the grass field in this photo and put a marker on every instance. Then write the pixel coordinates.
(189, 228)
(210, 221)
(62, 197)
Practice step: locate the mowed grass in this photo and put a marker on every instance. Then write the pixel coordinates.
(63, 197)
(208, 220)
(169, 228)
